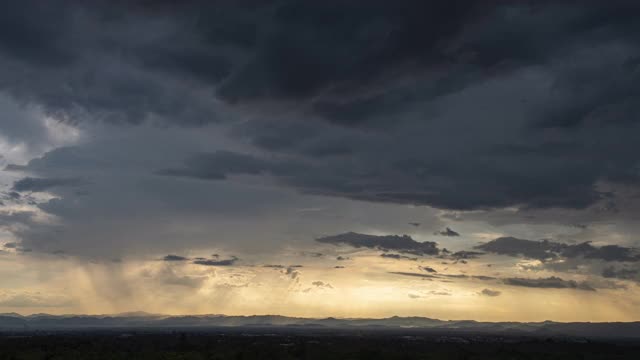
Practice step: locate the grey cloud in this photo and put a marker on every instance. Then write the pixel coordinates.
(490, 293)
(519, 102)
(312, 254)
(31, 299)
(439, 293)
(291, 273)
(404, 273)
(16, 220)
(404, 243)
(278, 266)
(167, 276)
(621, 273)
(322, 284)
(128, 211)
(549, 283)
(447, 232)
(171, 257)
(43, 184)
(461, 255)
(433, 69)
(378, 36)
(398, 257)
(494, 174)
(511, 246)
(543, 283)
(428, 269)
(218, 165)
(209, 262)
(546, 250)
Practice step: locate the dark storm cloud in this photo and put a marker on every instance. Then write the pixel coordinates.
(218, 165)
(43, 184)
(493, 101)
(548, 283)
(548, 250)
(404, 243)
(303, 56)
(490, 66)
(72, 65)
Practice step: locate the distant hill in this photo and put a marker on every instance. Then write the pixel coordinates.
(14, 321)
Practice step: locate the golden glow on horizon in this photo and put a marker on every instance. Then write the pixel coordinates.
(365, 288)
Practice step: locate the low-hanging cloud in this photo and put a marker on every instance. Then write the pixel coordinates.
(43, 184)
(402, 243)
(551, 282)
(545, 250)
(215, 262)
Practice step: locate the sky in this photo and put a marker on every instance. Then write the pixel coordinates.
(452, 160)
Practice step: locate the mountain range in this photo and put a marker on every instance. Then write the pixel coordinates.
(134, 320)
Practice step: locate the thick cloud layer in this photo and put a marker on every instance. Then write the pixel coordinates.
(492, 111)
(133, 130)
(42, 184)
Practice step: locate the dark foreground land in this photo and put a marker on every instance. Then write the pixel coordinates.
(264, 344)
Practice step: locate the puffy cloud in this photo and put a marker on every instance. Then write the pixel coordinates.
(490, 293)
